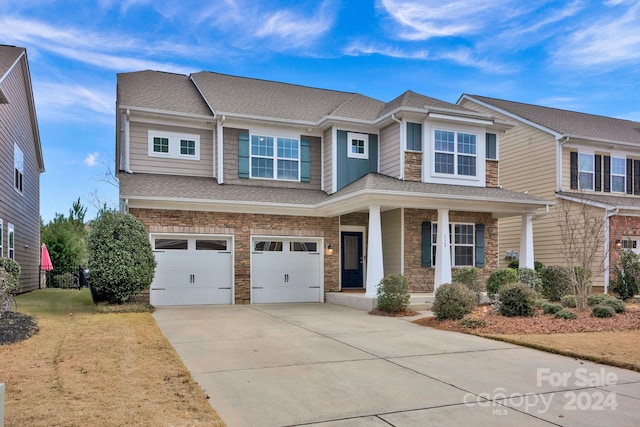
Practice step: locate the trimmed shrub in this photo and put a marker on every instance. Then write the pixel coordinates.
(617, 305)
(499, 278)
(551, 308)
(121, 261)
(556, 282)
(453, 302)
(12, 269)
(603, 311)
(515, 264)
(568, 301)
(517, 299)
(598, 299)
(530, 278)
(566, 315)
(626, 275)
(393, 294)
(471, 278)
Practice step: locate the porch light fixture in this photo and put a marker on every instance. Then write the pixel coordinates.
(329, 249)
(618, 243)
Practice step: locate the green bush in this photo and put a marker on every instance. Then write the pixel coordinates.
(566, 314)
(568, 301)
(556, 282)
(453, 302)
(515, 264)
(530, 278)
(551, 308)
(13, 273)
(617, 305)
(517, 299)
(393, 294)
(499, 278)
(602, 311)
(598, 299)
(63, 281)
(471, 278)
(121, 261)
(626, 275)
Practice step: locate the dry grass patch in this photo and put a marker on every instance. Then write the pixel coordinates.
(84, 368)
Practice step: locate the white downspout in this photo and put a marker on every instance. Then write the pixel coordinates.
(219, 137)
(402, 144)
(127, 142)
(607, 241)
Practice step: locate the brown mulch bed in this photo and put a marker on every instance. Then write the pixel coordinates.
(406, 313)
(15, 327)
(539, 324)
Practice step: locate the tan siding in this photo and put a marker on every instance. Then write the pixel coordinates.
(21, 210)
(141, 162)
(390, 150)
(392, 241)
(328, 160)
(230, 138)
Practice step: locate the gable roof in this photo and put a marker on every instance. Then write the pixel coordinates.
(568, 123)
(9, 57)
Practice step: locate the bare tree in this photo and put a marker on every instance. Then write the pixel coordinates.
(582, 228)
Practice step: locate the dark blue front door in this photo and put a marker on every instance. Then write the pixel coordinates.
(351, 262)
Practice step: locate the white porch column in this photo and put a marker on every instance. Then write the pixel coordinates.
(375, 267)
(526, 242)
(443, 251)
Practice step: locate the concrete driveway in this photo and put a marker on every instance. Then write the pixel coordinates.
(327, 365)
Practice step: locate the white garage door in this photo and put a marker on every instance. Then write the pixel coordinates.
(286, 270)
(192, 270)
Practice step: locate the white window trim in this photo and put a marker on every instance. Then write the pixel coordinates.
(624, 175)
(17, 152)
(11, 245)
(275, 157)
(358, 136)
(455, 153)
(593, 171)
(174, 145)
(452, 243)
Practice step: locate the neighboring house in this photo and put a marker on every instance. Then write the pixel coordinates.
(259, 191)
(21, 164)
(573, 158)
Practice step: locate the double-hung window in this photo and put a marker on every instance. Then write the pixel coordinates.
(585, 171)
(462, 243)
(18, 168)
(275, 157)
(455, 153)
(618, 174)
(11, 241)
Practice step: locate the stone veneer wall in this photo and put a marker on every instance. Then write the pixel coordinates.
(492, 173)
(412, 166)
(242, 227)
(421, 278)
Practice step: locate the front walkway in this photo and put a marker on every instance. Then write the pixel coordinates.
(327, 365)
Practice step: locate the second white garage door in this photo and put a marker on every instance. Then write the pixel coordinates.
(192, 270)
(286, 270)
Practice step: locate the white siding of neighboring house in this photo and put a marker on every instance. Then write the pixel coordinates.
(392, 241)
(141, 162)
(390, 150)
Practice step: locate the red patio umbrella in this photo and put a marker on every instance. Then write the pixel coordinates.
(45, 259)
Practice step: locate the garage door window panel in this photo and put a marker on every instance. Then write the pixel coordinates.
(211, 245)
(303, 247)
(268, 246)
(171, 244)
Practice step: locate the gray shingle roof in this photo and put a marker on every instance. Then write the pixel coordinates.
(158, 90)
(622, 201)
(415, 100)
(8, 56)
(571, 123)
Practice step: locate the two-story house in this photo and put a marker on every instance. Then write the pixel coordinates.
(21, 164)
(572, 158)
(259, 191)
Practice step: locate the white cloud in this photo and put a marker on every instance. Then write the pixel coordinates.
(295, 29)
(608, 43)
(68, 101)
(92, 159)
(421, 20)
(364, 49)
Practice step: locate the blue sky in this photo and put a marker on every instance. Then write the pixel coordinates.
(577, 55)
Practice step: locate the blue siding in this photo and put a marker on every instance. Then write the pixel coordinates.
(350, 169)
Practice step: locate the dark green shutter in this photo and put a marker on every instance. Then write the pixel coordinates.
(574, 170)
(426, 244)
(629, 176)
(243, 155)
(598, 176)
(480, 245)
(607, 174)
(305, 160)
